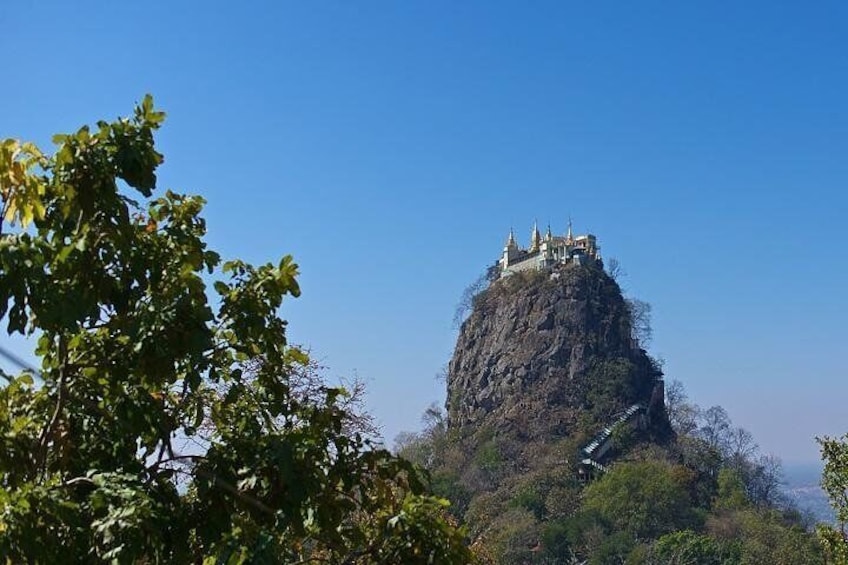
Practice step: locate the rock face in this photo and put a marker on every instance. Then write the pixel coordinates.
(541, 350)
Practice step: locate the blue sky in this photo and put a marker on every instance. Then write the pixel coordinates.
(390, 146)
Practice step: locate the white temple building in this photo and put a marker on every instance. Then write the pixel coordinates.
(548, 252)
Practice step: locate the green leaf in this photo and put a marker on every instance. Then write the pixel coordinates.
(221, 288)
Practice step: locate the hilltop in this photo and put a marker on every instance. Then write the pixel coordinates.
(556, 444)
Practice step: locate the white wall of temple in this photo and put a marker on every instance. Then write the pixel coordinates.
(526, 265)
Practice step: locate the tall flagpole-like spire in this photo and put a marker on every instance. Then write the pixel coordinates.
(535, 236)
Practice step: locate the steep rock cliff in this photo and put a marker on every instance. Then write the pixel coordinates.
(544, 353)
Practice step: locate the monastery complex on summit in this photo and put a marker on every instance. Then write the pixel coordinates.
(548, 252)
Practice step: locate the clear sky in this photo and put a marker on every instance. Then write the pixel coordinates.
(389, 146)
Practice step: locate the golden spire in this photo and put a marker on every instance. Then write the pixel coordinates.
(510, 242)
(535, 237)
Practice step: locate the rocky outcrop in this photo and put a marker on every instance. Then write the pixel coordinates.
(541, 350)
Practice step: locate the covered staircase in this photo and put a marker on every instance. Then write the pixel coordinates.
(601, 443)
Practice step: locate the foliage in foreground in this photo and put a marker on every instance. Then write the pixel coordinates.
(143, 438)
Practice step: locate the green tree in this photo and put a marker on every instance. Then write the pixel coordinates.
(646, 499)
(613, 548)
(835, 483)
(764, 536)
(137, 362)
(689, 548)
(731, 491)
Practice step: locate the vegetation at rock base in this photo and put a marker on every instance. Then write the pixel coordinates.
(656, 504)
(165, 426)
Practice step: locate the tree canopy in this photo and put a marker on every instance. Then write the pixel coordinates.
(163, 425)
(645, 499)
(835, 483)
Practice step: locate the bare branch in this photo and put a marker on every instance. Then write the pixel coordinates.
(246, 498)
(48, 431)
